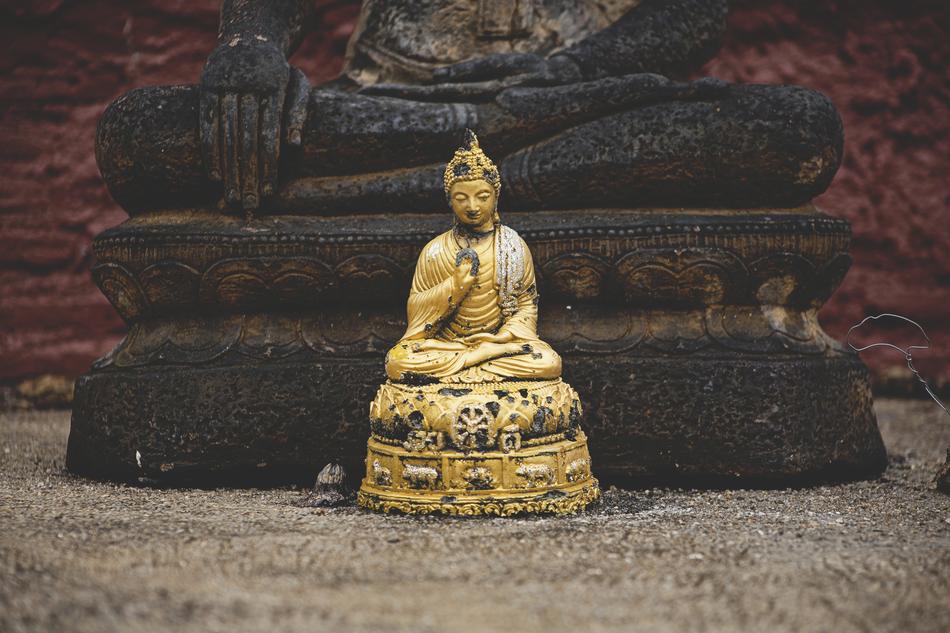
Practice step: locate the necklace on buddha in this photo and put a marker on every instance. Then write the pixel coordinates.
(470, 237)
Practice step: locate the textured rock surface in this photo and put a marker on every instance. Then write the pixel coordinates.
(77, 555)
(883, 64)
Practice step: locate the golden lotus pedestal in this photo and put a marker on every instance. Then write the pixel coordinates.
(500, 449)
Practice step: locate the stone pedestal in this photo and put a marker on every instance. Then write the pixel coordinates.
(690, 335)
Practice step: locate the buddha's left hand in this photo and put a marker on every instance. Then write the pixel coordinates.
(487, 337)
(481, 79)
(512, 69)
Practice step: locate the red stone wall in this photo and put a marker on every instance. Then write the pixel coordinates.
(883, 63)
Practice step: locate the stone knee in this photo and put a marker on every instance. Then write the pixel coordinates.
(148, 150)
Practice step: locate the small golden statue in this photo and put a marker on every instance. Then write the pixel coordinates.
(475, 418)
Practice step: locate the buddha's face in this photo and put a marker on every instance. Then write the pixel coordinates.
(473, 202)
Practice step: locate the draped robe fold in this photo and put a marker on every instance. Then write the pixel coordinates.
(504, 298)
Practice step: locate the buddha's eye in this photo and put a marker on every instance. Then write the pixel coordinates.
(460, 197)
(484, 196)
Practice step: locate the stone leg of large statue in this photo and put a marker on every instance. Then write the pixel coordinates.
(686, 315)
(638, 140)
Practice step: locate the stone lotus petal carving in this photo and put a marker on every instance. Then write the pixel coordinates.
(253, 282)
(271, 336)
(170, 283)
(781, 279)
(759, 329)
(371, 279)
(576, 276)
(328, 334)
(587, 328)
(186, 340)
(690, 277)
(122, 289)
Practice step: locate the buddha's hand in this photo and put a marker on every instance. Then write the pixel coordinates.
(488, 337)
(512, 69)
(463, 278)
(248, 92)
(482, 78)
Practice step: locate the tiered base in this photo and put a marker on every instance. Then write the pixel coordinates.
(551, 478)
(691, 337)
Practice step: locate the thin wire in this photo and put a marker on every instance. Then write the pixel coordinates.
(908, 354)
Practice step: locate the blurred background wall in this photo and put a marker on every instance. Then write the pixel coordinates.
(884, 64)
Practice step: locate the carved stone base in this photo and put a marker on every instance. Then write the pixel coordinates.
(691, 337)
(553, 477)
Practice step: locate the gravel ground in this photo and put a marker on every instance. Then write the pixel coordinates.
(77, 555)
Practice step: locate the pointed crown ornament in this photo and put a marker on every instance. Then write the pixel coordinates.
(470, 163)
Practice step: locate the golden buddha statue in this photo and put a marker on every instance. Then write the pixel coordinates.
(475, 418)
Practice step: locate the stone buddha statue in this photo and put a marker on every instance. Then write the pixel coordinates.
(578, 97)
(274, 226)
(475, 418)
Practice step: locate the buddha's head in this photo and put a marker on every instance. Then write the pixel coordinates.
(472, 185)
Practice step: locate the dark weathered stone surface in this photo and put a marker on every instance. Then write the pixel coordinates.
(692, 340)
(728, 421)
(79, 555)
(280, 421)
(628, 141)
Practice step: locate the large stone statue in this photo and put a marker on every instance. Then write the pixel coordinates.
(475, 418)
(275, 226)
(571, 92)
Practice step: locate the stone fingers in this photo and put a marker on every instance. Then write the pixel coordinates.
(209, 122)
(491, 67)
(248, 156)
(229, 155)
(270, 144)
(298, 98)
(475, 91)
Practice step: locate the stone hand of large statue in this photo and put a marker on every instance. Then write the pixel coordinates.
(514, 68)
(486, 76)
(249, 94)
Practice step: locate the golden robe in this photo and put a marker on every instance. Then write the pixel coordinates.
(503, 298)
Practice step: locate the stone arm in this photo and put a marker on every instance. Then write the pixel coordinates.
(669, 37)
(249, 94)
(283, 22)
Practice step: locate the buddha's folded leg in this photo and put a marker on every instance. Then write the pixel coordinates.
(542, 362)
(436, 359)
(721, 146)
(148, 150)
(754, 145)
(727, 146)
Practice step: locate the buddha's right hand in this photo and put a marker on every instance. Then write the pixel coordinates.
(463, 278)
(246, 89)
